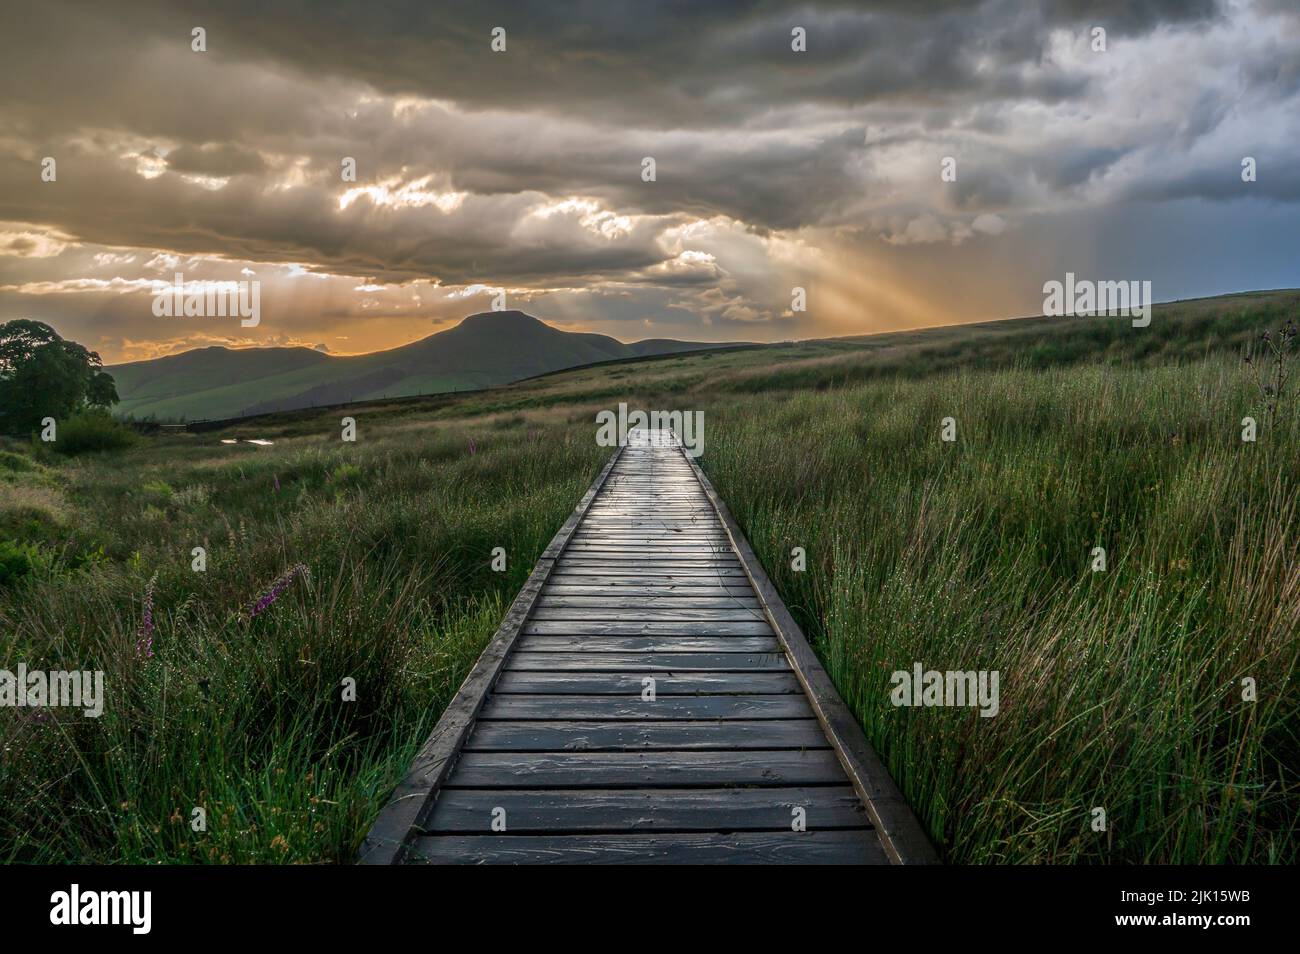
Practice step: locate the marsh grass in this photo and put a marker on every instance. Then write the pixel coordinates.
(244, 717)
(1119, 690)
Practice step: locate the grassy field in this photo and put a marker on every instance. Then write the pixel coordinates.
(1119, 689)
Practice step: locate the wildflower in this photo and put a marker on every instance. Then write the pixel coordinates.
(277, 590)
(473, 448)
(144, 635)
(276, 478)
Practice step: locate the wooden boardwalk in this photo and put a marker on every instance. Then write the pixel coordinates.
(648, 699)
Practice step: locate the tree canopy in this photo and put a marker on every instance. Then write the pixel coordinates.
(42, 375)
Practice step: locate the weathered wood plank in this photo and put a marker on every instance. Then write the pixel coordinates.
(647, 769)
(650, 563)
(587, 736)
(659, 533)
(597, 643)
(655, 539)
(547, 627)
(665, 550)
(666, 684)
(517, 707)
(687, 809)
(597, 525)
(769, 848)
(722, 574)
(675, 614)
(640, 589)
(599, 573)
(646, 663)
(661, 600)
(630, 558)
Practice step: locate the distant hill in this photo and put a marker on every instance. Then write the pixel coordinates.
(484, 350)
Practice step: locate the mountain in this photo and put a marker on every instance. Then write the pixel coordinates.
(484, 350)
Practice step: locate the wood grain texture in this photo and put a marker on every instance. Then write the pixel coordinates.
(533, 811)
(651, 769)
(767, 848)
(755, 682)
(588, 736)
(624, 708)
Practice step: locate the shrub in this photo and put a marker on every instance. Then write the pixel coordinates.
(16, 463)
(92, 430)
(16, 560)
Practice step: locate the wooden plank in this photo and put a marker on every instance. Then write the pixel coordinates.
(647, 769)
(687, 809)
(632, 559)
(519, 707)
(648, 644)
(675, 528)
(651, 569)
(657, 541)
(670, 550)
(659, 533)
(666, 684)
(549, 627)
(664, 551)
(599, 574)
(691, 515)
(584, 735)
(568, 574)
(646, 663)
(614, 614)
(560, 588)
(657, 537)
(768, 848)
(661, 600)
(694, 518)
(695, 556)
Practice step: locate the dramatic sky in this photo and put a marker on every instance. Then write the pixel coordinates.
(522, 170)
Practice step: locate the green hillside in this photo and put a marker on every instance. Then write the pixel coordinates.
(484, 350)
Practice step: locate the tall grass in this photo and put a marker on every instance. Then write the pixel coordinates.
(243, 715)
(1121, 689)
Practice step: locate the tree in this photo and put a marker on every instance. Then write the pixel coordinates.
(42, 375)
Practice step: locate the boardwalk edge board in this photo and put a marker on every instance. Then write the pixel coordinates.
(900, 833)
(396, 826)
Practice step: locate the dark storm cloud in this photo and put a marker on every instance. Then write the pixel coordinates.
(1130, 16)
(524, 168)
(215, 159)
(678, 63)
